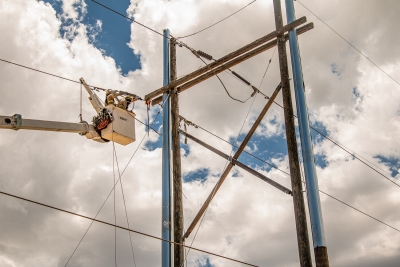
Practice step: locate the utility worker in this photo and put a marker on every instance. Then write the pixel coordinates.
(128, 101)
(109, 98)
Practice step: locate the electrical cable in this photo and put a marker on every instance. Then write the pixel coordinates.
(269, 63)
(349, 151)
(47, 73)
(57, 76)
(376, 65)
(123, 228)
(302, 176)
(122, 15)
(355, 155)
(244, 151)
(226, 90)
(134, 153)
(217, 21)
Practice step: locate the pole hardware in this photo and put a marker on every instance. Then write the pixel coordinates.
(197, 77)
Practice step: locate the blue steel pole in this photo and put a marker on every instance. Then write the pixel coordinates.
(166, 158)
(314, 203)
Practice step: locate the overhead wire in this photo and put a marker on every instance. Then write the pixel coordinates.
(123, 228)
(122, 15)
(217, 21)
(347, 150)
(302, 181)
(50, 74)
(44, 72)
(333, 141)
(344, 39)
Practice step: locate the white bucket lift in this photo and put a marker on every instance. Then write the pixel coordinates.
(122, 129)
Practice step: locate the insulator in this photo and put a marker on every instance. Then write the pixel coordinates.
(241, 78)
(205, 55)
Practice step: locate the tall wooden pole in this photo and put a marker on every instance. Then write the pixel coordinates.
(298, 200)
(314, 202)
(176, 163)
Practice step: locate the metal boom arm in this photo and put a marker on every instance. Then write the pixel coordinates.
(16, 122)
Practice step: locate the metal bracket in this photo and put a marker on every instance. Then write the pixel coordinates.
(230, 159)
(17, 121)
(87, 127)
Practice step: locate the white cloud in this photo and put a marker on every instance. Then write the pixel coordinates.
(248, 219)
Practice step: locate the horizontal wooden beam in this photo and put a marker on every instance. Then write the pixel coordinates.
(226, 58)
(234, 62)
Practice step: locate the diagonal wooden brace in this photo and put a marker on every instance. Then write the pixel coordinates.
(239, 164)
(230, 164)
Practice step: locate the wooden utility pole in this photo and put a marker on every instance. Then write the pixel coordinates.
(298, 200)
(176, 163)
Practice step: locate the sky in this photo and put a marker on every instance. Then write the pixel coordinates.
(349, 99)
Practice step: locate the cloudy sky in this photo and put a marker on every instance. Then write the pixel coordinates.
(349, 99)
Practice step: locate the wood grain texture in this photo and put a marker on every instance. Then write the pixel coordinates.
(294, 166)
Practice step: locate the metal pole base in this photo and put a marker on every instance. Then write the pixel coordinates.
(321, 257)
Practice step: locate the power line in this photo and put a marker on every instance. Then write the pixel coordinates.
(50, 74)
(347, 150)
(122, 15)
(67, 79)
(349, 43)
(217, 21)
(344, 203)
(344, 148)
(303, 181)
(269, 63)
(123, 228)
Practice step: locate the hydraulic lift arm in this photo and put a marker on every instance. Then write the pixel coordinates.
(16, 122)
(94, 99)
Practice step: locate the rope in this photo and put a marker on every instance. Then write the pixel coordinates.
(115, 214)
(112, 189)
(123, 197)
(80, 106)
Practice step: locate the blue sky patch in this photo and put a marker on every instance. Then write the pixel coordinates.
(206, 264)
(114, 35)
(198, 175)
(392, 162)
